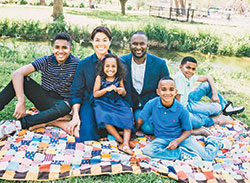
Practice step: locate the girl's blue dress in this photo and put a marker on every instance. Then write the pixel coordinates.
(112, 109)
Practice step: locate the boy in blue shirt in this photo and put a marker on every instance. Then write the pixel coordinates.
(201, 113)
(172, 128)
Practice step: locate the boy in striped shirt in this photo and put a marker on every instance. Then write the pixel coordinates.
(51, 98)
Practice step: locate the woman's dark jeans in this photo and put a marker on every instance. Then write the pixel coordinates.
(49, 103)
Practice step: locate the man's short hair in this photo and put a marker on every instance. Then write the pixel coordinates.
(166, 78)
(64, 36)
(139, 32)
(188, 59)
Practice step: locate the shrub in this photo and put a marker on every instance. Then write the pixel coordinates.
(129, 7)
(23, 2)
(65, 4)
(207, 43)
(81, 5)
(174, 39)
(56, 27)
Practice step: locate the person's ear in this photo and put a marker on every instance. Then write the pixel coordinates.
(180, 66)
(176, 91)
(157, 91)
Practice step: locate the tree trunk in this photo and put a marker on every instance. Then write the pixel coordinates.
(90, 4)
(123, 3)
(57, 10)
(42, 3)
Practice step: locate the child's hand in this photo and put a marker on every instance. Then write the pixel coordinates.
(172, 145)
(215, 98)
(120, 90)
(110, 88)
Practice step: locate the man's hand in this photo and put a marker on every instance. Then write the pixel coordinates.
(173, 145)
(73, 126)
(20, 110)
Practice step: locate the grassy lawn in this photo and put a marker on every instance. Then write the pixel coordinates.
(115, 18)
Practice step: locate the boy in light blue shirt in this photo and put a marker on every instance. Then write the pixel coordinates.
(172, 128)
(202, 113)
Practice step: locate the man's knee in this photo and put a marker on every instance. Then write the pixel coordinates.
(205, 85)
(62, 108)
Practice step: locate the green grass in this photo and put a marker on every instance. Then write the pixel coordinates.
(230, 80)
(108, 15)
(120, 178)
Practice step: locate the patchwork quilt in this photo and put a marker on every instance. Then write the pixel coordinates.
(49, 154)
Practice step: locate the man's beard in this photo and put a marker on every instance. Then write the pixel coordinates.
(141, 56)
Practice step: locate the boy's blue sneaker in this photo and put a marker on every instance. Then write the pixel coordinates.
(187, 154)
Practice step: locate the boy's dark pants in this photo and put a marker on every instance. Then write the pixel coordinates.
(49, 103)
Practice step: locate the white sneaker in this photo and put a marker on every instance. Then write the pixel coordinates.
(187, 154)
(225, 144)
(231, 109)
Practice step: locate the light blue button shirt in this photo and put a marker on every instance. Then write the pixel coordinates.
(184, 86)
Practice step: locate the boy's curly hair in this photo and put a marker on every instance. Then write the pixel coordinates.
(121, 69)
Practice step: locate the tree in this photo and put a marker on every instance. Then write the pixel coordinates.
(42, 2)
(57, 10)
(123, 3)
(91, 4)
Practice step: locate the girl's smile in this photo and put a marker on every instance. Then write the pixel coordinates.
(110, 67)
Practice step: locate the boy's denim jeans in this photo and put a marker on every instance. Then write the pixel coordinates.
(200, 112)
(49, 103)
(147, 127)
(157, 148)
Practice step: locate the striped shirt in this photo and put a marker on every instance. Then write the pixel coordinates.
(57, 77)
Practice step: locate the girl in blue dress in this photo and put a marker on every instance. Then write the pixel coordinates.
(111, 110)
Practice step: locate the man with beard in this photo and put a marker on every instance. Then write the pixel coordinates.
(145, 71)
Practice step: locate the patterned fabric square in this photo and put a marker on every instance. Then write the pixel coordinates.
(7, 158)
(4, 165)
(64, 168)
(70, 145)
(55, 168)
(44, 168)
(80, 146)
(13, 166)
